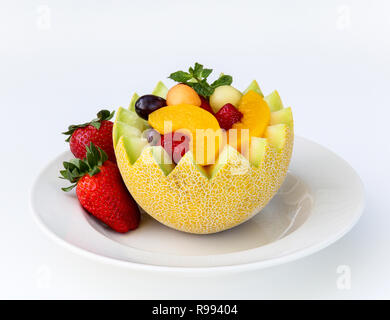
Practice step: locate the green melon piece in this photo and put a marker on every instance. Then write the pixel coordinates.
(123, 129)
(276, 135)
(134, 146)
(274, 102)
(130, 118)
(257, 151)
(255, 87)
(133, 100)
(160, 90)
(163, 159)
(282, 116)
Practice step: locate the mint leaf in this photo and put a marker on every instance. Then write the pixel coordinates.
(202, 89)
(206, 73)
(223, 80)
(196, 78)
(180, 76)
(198, 70)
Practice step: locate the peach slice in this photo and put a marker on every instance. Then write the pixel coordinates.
(256, 118)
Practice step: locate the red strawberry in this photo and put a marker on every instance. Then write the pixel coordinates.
(227, 116)
(101, 191)
(176, 144)
(98, 131)
(205, 105)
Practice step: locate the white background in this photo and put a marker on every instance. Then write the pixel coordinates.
(330, 60)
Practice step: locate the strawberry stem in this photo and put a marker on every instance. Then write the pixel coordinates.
(75, 169)
(101, 116)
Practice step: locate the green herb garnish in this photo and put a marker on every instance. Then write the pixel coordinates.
(196, 78)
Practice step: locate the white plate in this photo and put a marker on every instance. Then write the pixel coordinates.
(320, 201)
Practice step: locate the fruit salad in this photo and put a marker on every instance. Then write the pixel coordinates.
(200, 157)
(203, 156)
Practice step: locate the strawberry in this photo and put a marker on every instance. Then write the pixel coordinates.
(227, 116)
(101, 191)
(98, 131)
(205, 104)
(176, 144)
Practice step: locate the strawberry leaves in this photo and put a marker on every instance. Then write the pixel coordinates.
(75, 169)
(96, 123)
(196, 78)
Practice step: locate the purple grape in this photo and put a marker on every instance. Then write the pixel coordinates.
(152, 136)
(146, 104)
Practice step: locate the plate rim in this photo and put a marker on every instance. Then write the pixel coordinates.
(240, 267)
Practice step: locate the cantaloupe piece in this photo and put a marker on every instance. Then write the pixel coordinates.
(182, 94)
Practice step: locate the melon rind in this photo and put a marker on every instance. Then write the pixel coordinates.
(188, 200)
